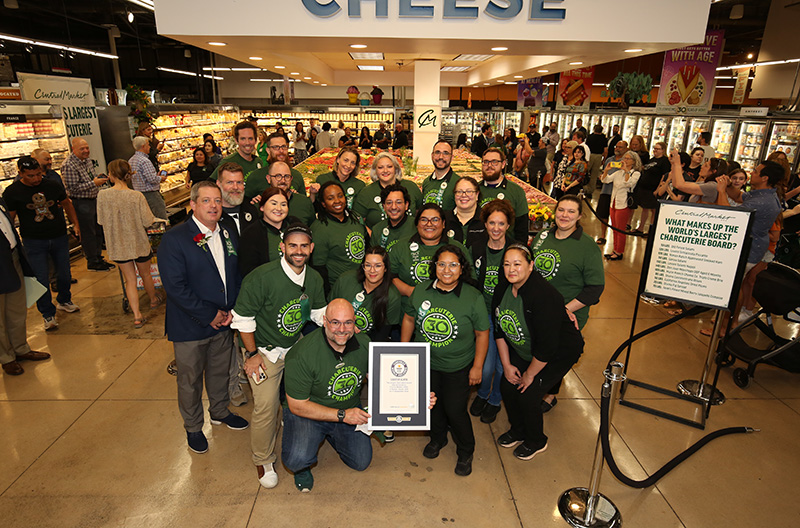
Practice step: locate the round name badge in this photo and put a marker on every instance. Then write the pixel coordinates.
(360, 297)
(351, 191)
(377, 199)
(414, 246)
(451, 233)
(500, 196)
(443, 185)
(426, 305)
(386, 231)
(248, 217)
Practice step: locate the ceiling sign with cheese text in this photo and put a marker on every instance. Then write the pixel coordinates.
(687, 77)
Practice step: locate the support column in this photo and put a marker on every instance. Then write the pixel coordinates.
(427, 108)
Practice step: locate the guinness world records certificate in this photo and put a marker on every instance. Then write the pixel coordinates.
(399, 386)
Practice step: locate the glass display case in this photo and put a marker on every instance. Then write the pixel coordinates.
(643, 128)
(786, 138)
(677, 133)
(722, 137)
(629, 128)
(750, 143)
(660, 129)
(696, 125)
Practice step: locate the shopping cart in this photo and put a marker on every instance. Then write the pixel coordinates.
(154, 234)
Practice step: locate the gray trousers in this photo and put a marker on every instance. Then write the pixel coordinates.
(156, 203)
(13, 314)
(208, 359)
(595, 163)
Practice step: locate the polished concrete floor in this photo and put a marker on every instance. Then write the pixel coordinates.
(93, 438)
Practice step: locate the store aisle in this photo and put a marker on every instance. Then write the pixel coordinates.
(93, 438)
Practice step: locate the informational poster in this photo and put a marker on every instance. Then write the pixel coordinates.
(529, 94)
(698, 251)
(575, 90)
(76, 96)
(687, 77)
(741, 86)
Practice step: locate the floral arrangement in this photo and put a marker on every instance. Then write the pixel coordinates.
(202, 241)
(139, 101)
(541, 216)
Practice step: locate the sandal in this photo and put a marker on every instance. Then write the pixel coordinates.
(601, 241)
(157, 302)
(138, 323)
(614, 256)
(677, 311)
(670, 304)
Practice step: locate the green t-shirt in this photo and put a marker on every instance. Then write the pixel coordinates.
(313, 372)
(339, 246)
(440, 191)
(348, 287)
(280, 306)
(368, 202)
(300, 206)
(494, 267)
(569, 265)
(247, 166)
(385, 236)
(352, 186)
(256, 183)
(507, 190)
(410, 259)
(510, 317)
(448, 321)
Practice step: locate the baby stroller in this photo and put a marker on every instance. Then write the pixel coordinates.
(777, 290)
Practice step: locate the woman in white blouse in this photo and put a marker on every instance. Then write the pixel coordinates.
(624, 181)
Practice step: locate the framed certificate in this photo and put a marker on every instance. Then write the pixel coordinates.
(399, 386)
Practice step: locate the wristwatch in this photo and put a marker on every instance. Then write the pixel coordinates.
(248, 354)
(340, 414)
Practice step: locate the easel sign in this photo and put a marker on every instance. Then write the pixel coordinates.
(699, 253)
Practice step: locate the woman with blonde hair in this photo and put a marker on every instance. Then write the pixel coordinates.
(125, 216)
(638, 145)
(385, 171)
(624, 181)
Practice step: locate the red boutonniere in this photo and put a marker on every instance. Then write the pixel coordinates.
(201, 240)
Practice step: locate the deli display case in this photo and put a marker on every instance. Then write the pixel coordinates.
(722, 134)
(785, 137)
(750, 143)
(677, 133)
(660, 129)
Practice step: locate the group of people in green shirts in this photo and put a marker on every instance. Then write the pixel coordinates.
(448, 265)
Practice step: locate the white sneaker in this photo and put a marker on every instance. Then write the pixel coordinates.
(68, 307)
(50, 323)
(270, 479)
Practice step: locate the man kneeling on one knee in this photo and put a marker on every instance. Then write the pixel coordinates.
(324, 373)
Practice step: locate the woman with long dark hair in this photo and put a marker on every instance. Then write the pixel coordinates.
(199, 169)
(365, 139)
(260, 242)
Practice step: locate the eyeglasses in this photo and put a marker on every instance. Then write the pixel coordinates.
(429, 219)
(373, 266)
(338, 324)
(280, 177)
(465, 193)
(451, 265)
(279, 147)
(491, 163)
(442, 153)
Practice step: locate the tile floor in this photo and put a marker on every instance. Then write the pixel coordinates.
(93, 438)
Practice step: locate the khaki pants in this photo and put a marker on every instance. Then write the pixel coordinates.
(595, 162)
(264, 420)
(13, 313)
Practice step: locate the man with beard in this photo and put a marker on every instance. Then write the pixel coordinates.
(300, 206)
(246, 157)
(46, 162)
(289, 293)
(236, 213)
(278, 149)
(496, 186)
(396, 201)
(438, 187)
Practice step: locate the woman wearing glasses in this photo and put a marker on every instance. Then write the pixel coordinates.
(411, 257)
(448, 313)
(345, 171)
(385, 171)
(464, 222)
(339, 236)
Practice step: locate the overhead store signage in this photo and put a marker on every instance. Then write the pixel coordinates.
(445, 9)
(575, 90)
(529, 94)
(753, 111)
(741, 86)
(687, 77)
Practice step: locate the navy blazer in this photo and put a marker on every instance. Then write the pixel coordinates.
(194, 288)
(9, 280)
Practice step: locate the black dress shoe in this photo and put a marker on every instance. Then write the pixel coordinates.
(33, 356)
(13, 368)
(432, 449)
(464, 466)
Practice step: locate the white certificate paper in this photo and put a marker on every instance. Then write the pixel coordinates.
(399, 383)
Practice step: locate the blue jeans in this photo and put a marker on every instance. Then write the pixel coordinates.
(58, 250)
(489, 388)
(302, 438)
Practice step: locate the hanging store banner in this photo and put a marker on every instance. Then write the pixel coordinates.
(529, 94)
(687, 77)
(77, 98)
(741, 86)
(575, 90)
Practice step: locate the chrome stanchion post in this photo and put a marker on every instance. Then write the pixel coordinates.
(587, 507)
(700, 388)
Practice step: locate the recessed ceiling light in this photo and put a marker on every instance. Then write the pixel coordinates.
(543, 71)
(295, 73)
(358, 46)
(576, 63)
(307, 78)
(518, 76)
(454, 68)
(633, 50)
(316, 82)
(475, 86)
(366, 55)
(486, 84)
(500, 48)
(323, 84)
(217, 43)
(749, 55)
(255, 58)
(280, 67)
(475, 58)
(500, 80)
(370, 67)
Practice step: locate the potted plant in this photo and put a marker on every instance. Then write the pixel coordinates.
(377, 95)
(630, 88)
(352, 94)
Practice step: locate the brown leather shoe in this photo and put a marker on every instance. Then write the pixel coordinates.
(13, 368)
(33, 356)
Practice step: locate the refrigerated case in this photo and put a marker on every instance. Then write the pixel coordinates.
(643, 128)
(785, 137)
(696, 125)
(677, 133)
(750, 143)
(26, 126)
(629, 128)
(469, 122)
(722, 135)
(660, 130)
